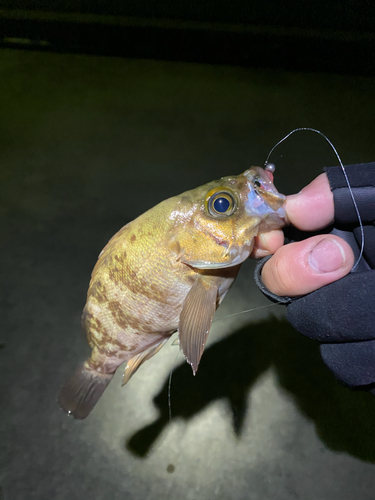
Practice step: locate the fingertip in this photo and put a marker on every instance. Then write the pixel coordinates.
(330, 255)
(268, 243)
(312, 208)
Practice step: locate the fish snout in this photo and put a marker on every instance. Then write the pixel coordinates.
(263, 198)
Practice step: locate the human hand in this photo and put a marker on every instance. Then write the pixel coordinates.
(340, 315)
(302, 267)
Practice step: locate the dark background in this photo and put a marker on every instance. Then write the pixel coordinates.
(105, 110)
(347, 15)
(316, 36)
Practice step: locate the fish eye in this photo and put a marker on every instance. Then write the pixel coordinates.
(221, 202)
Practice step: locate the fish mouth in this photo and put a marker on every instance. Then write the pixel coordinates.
(262, 199)
(280, 212)
(274, 200)
(234, 256)
(239, 254)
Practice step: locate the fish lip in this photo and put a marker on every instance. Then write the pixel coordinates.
(261, 202)
(236, 255)
(216, 265)
(281, 212)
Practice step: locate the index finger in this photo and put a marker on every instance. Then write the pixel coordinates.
(309, 210)
(312, 208)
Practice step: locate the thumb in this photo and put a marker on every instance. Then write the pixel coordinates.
(302, 267)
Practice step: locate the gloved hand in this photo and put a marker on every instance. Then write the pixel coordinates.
(339, 314)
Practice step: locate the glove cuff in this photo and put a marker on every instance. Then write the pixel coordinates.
(258, 280)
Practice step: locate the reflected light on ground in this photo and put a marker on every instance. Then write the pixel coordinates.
(213, 416)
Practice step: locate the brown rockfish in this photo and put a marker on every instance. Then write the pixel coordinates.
(167, 271)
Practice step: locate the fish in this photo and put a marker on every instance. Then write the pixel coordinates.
(167, 271)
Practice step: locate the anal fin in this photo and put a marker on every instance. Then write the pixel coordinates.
(134, 363)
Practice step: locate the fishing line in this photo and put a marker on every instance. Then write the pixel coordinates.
(345, 175)
(246, 311)
(170, 383)
(176, 342)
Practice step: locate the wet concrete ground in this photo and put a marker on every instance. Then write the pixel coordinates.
(87, 144)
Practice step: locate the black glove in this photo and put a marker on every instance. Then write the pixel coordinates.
(342, 315)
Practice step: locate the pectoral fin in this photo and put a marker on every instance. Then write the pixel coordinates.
(196, 317)
(134, 363)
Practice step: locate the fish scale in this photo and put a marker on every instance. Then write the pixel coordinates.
(168, 270)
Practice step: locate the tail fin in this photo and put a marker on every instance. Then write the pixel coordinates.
(82, 390)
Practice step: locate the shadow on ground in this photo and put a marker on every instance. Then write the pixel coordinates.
(344, 419)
